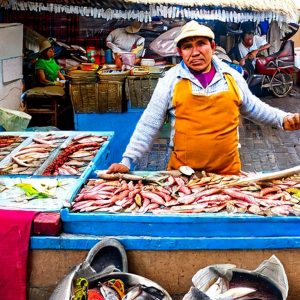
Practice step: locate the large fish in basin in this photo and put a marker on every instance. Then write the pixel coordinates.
(226, 282)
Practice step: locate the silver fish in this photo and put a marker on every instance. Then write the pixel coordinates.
(195, 294)
(235, 293)
(108, 293)
(133, 293)
(218, 288)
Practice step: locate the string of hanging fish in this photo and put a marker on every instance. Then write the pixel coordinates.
(226, 12)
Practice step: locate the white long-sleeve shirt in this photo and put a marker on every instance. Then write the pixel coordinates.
(161, 104)
(119, 40)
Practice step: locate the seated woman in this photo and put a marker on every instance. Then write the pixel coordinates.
(46, 68)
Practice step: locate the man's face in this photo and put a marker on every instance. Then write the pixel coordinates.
(248, 39)
(197, 52)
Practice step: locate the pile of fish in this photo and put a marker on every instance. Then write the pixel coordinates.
(172, 193)
(8, 143)
(226, 282)
(30, 157)
(74, 159)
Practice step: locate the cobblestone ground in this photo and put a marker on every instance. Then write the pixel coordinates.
(269, 149)
(263, 148)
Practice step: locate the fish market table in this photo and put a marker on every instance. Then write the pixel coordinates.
(171, 248)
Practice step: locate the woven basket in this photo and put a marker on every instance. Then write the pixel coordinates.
(111, 96)
(107, 96)
(79, 76)
(84, 97)
(139, 89)
(106, 75)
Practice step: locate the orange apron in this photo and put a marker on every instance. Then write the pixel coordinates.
(206, 136)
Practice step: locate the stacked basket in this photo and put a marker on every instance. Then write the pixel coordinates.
(84, 90)
(111, 90)
(91, 91)
(139, 89)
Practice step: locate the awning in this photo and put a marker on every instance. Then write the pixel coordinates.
(145, 10)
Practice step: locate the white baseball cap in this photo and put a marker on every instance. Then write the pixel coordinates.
(193, 28)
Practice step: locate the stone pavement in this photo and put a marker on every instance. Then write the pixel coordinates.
(263, 148)
(269, 149)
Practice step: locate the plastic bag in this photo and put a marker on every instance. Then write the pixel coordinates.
(14, 120)
(164, 45)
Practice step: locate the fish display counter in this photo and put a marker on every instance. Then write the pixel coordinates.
(41, 194)
(42, 169)
(170, 204)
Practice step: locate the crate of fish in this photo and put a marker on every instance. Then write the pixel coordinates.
(42, 194)
(9, 141)
(80, 155)
(32, 153)
(172, 204)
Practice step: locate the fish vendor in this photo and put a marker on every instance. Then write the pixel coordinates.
(204, 98)
(126, 39)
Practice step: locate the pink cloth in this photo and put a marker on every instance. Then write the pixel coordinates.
(15, 227)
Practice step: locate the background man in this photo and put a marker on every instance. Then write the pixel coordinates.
(246, 51)
(126, 39)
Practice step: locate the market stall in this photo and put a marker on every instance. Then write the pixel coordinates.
(216, 219)
(167, 248)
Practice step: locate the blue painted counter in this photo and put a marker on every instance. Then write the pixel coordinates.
(165, 232)
(205, 225)
(207, 231)
(86, 242)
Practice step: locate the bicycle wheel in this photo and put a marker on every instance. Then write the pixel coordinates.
(281, 84)
(266, 82)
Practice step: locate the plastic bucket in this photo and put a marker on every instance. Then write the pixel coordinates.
(108, 56)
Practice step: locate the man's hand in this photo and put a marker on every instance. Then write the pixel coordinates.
(117, 168)
(291, 122)
(58, 83)
(242, 61)
(251, 55)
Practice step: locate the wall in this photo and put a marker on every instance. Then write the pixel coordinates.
(173, 270)
(11, 48)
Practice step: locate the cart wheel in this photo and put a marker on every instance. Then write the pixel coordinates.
(281, 84)
(266, 82)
